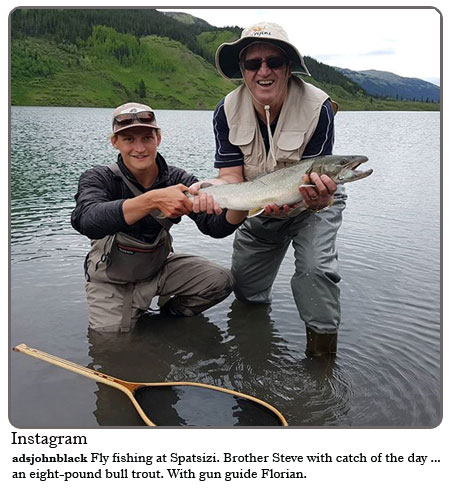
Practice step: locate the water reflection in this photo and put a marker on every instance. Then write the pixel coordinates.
(179, 405)
(305, 388)
(157, 350)
(250, 356)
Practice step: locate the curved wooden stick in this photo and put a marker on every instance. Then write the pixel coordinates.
(129, 388)
(124, 386)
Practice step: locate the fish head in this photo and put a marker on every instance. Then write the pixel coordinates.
(341, 169)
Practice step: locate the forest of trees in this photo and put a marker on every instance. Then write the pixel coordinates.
(75, 25)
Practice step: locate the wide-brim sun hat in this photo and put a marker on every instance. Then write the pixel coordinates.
(133, 109)
(228, 53)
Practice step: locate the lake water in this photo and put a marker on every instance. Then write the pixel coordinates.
(388, 368)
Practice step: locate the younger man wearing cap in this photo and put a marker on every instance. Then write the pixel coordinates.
(270, 121)
(126, 209)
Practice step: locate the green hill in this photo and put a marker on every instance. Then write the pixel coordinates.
(111, 68)
(104, 57)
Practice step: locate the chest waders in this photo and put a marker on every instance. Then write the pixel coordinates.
(124, 260)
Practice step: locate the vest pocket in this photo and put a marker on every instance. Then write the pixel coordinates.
(121, 258)
(288, 146)
(244, 137)
(133, 260)
(241, 135)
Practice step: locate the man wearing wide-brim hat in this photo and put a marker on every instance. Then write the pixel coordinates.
(272, 120)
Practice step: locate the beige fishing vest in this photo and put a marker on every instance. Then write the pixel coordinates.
(296, 124)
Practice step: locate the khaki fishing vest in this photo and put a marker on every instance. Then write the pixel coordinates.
(296, 124)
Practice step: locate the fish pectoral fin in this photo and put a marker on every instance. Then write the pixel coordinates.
(255, 211)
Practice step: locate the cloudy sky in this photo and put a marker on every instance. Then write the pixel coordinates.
(404, 41)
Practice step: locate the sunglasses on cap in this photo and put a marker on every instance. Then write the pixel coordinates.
(144, 117)
(273, 62)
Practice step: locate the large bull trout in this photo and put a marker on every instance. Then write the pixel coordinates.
(281, 186)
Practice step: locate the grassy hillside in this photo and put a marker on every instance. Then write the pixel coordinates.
(111, 68)
(210, 41)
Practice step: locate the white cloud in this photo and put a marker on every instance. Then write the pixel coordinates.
(405, 41)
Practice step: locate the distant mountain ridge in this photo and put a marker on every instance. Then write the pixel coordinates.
(385, 84)
(188, 19)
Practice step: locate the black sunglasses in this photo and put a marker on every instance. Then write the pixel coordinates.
(274, 62)
(145, 117)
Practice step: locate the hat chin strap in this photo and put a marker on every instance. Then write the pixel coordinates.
(268, 167)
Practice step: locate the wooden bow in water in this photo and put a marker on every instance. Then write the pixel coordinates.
(245, 409)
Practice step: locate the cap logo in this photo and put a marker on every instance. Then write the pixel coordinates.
(259, 31)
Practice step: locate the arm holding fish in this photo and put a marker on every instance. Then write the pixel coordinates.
(101, 208)
(320, 196)
(211, 224)
(202, 201)
(205, 203)
(171, 201)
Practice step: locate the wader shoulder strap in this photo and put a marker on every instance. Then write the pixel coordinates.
(156, 214)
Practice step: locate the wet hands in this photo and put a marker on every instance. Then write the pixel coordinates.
(319, 196)
(172, 201)
(277, 210)
(202, 201)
